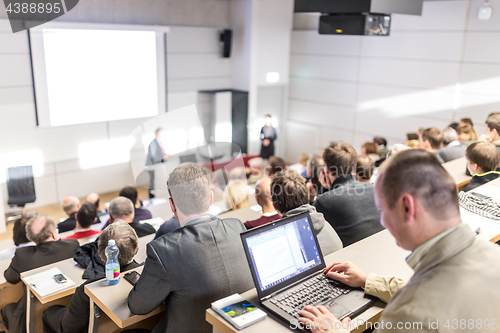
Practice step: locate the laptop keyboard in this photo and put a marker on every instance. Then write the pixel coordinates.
(314, 291)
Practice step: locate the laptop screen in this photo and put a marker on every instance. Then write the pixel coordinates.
(283, 252)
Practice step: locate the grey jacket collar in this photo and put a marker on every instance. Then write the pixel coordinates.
(317, 219)
(199, 219)
(448, 246)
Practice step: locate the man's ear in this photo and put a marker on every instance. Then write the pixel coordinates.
(55, 234)
(211, 198)
(495, 133)
(172, 205)
(136, 250)
(408, 203)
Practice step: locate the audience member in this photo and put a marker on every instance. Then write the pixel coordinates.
(467, 121)
(276, 165)
(419, 204)
(42, 230)
(192, 267)
(431, 140)
(493, 129)
(466, 134)
(381, 146)
(19, 237)
(238, 173)
(236, 195)
(96, 200)
(452, 148)
(85, 217)
(314, 167)
(301, 166)
(263, 197)
(140, 213)
(398, 147)
(365, 167)
(257, 167)
(413, 144)
(71, 205)
(122, 208)
(454, 125)
(370, 149)
(483, 160)
(348, 205)
(75, 317)
(290, 197)
(411, 136)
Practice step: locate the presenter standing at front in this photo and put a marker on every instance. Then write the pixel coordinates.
(156, 154)
(267, 135)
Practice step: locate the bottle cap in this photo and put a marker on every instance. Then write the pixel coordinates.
(111, 242)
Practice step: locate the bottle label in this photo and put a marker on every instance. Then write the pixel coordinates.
(112, 274)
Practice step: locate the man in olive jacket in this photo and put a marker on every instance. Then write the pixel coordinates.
(455, 286)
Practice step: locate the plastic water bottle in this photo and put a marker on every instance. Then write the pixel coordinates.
(112, 264)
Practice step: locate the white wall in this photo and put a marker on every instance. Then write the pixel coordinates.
(194, 63)
(433, 69)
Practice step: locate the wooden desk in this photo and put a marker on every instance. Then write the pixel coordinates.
(243, 214)
(70, 269)
(492, 231)
(456, 169)
(376, 254)
(141, 255)
(112, 300)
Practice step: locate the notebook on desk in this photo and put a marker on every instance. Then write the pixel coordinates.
(287, 268)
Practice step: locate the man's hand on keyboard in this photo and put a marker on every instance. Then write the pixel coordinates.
(320, 320)
(347, 273)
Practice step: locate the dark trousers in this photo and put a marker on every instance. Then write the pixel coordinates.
(52, 318)
(8, 312)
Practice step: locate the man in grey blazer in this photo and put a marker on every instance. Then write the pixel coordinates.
(452, 149)
(195, 265)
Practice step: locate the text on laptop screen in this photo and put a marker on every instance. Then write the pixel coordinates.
(283, 252)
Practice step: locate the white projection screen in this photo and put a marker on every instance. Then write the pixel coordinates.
(87, 73)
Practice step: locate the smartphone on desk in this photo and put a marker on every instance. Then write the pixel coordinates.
(60, 278)
(132, 277)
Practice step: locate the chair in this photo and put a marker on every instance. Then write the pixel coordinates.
(20, 186)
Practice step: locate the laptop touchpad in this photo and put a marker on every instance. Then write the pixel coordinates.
(338, 310)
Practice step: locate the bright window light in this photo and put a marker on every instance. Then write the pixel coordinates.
(105, 152)
(33, 157)
(224, 132)
(174, 141)
(273, 77)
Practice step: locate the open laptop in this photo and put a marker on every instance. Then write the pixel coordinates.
(287, 268)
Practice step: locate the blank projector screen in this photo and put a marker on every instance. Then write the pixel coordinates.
(96, 75)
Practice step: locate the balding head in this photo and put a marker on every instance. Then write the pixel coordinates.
(41, 229)
(263, 192)
(93, 198)
(121, 208)
(417, 197)
(71, 205)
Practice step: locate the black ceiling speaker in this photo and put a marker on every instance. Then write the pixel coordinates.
(225, 38)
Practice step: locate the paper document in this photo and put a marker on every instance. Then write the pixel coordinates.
(45, 285)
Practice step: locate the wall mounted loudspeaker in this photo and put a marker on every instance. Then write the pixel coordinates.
(225, 38)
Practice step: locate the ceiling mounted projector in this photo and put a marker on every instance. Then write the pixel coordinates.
(358, 17)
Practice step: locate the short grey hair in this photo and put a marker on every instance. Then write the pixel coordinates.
(126, 239)
(449, 135)
(46, 231)
(189, 188)
(121, 207)
(72, 203)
